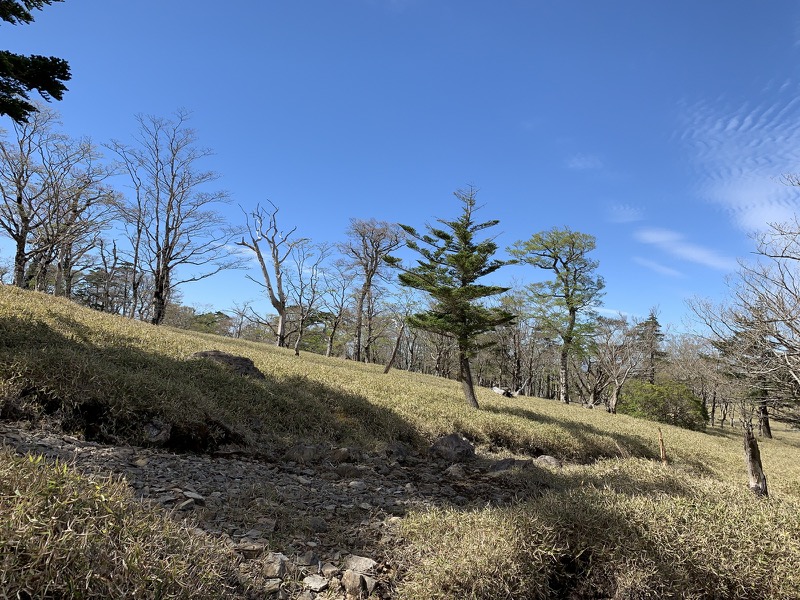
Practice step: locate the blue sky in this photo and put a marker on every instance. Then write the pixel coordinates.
(661, 128)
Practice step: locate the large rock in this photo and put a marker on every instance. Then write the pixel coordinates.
(550, 461)
(315, 583)
(359, 564)
(276, 565)
(240, 365)
(453, 448)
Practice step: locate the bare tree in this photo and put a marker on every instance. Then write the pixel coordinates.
(239, 317)
(81, 207)
(618, 353)
(305, 286)
(262, 228)
(369, 242)
(337, 299)
(179, 235)
(54, 201)
(24, 207)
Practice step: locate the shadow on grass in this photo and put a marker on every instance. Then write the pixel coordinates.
(123, 394)
(626, 445)
(587, 435)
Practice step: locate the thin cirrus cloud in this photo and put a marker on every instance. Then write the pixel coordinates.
(674, 244)
(657, 267)
(584, 162)
(625, 213)
(741, 152)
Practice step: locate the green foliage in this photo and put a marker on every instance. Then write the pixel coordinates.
(17, 12)
(20, 74)
(575, 286)
(650, 337)
(564, 304)
(452, 262)
(667, 402)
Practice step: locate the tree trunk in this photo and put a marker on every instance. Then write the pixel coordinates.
(159, 307)
(713, 414)
(280, 342)
(331, 337)
(763, 422)
(19, 263)
(613, 399)
(394, 352)
(563, 385)
(752, 456)
(466, 379)
(300, 332)
(362, 297)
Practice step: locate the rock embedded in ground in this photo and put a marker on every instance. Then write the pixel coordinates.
(359, 564)
(453, 448)
(275, 565)
(240, 365)
(550, 461)
(315, 583)
(455, 471)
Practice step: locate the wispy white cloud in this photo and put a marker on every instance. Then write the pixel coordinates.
(740, 152)
(673, 243)
(613, 313)
(625, 213)
(657, 267)
(584, 162)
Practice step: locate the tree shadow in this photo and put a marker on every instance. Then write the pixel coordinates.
(124, 394)
(625, 445)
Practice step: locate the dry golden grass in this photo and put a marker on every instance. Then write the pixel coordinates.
(66, 536)
(613, 523)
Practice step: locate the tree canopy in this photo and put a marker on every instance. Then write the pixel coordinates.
(20, 74)
(575, 289)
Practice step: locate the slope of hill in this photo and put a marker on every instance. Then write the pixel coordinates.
(613, 522)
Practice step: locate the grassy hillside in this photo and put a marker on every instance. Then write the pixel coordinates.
(614, 522)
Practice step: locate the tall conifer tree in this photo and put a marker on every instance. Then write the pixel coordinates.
(451, 263)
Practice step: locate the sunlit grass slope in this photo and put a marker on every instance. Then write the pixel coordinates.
(614, 522)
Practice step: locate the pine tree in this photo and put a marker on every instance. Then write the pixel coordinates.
(20, 74)
(650, 338)
(573, 293)
(451, 263)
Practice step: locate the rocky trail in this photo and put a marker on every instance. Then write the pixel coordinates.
(322, 521)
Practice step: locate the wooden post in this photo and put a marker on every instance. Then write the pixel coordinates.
(661, 447)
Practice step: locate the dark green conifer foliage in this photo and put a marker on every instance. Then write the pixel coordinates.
(451, 263)
(21, 74)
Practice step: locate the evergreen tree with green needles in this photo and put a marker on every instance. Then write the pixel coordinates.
(451, 263)
(20, 74)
